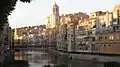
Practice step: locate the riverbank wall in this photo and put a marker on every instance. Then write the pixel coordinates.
(114, 61)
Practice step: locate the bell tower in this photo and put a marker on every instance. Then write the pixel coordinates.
(55, 14)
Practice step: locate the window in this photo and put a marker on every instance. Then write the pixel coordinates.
(117, 27)
(105, 37)
(96, 38)
(100, 12)
(71, 35)
(100, 37)
(93, 39)
(111, 37)
(109, 45)
(117, 37)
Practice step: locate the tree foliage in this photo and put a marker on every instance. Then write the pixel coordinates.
(6, 8)
(25, 1)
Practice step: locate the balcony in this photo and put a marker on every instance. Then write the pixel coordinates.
(108, 42)
(81, 37)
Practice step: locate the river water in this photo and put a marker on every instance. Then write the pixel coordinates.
(40, 58)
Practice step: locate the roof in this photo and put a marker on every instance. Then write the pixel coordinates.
(55, 5)
(117, 7)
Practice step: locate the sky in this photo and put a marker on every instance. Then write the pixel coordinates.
(35, 13)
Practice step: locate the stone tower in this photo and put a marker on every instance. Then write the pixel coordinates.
(55, 15)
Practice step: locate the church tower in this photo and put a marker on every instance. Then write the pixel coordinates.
(55, 15)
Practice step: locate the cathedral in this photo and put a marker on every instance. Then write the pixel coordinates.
(53, 20)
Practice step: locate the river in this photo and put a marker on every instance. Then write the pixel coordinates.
(40, 58)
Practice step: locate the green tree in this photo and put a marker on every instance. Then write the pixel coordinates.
(6, 8)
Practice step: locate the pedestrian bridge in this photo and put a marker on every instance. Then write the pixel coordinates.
(33, 46)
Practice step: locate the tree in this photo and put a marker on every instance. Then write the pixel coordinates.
(6, 8)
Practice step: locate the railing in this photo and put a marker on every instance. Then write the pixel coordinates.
(108, 42)
(33, 46)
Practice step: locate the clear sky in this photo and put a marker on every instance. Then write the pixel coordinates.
(37, 11)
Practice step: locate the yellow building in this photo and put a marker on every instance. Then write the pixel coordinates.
(102, 17)
(16, 34)
(116, 14)
(49, 22)
(17, 37)
(101, 20)
(53, 20)
(108, 41)
(86, 29)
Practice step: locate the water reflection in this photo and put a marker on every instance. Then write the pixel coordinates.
(36, 58)
(41, 58)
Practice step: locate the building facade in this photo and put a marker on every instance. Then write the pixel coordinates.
(67, 31)
(53, 23)
(108, 41)
(29, 35)
(78, 32)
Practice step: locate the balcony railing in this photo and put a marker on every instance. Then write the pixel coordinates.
(108, 42)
